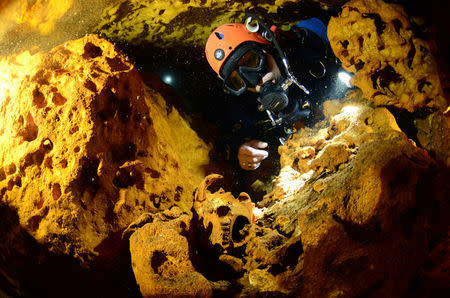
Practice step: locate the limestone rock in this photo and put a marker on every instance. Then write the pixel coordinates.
(42, 15)
(357, 223)
(187, 23)
(179, 24)
(392, 66)
(86, 148)
(161, 263)
(362, 225)
(353, 219)
(433, 133)
(45, 24)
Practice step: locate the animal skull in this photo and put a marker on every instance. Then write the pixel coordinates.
(226, 218)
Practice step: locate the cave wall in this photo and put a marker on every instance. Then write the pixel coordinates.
(394, 67)
(87, 148)
(175, 23)
(356, 210)
(360, 203)
(189, 23)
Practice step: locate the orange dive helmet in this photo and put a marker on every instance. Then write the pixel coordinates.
(224, 40)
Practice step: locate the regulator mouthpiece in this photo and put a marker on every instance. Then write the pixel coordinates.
(273, 97)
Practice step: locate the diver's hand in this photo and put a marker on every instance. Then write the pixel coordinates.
(250, 154)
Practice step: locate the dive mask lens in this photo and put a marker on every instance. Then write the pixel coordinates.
(251, 60)
(234, 84)
(252, 67)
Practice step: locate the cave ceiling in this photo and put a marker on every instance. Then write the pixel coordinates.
(172, 23)
(162, 36)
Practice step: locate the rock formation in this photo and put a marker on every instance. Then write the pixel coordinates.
(102, 179)
(352, 218)
(351, 214)
(42, 15)
(160, 256)
(357, 203)
(393, 66)
(159, 24)
(223, 218)
(86, 149)
(188, 23)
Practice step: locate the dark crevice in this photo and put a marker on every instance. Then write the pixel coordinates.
(158, 259)
(380, 25)
(91, 51)
(383, 77)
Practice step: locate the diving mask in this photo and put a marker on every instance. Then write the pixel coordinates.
(244, 69)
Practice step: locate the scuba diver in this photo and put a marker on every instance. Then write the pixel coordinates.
(277, 77)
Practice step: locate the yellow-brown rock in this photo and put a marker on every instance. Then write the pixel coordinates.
(392, 66)
(360, 208)
(86, 148)
(155, 23)
(160, 257)
(224, 219)
(41, 15)
(353, 220)
(186, 23)
(25, 24)
(433, 133)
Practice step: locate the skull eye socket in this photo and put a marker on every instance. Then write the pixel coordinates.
(222, 211)
(240, 229)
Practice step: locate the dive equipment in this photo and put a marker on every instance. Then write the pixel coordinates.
(247, 71)
(274, 98)
(238, 54)
(224, 40)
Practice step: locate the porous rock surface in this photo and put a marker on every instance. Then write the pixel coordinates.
(40, 15)
(358, 206)
(392, 66)
(223, 217)
(433, 134)
(361, 213)
(349, 214)
(189, 23)
(86, 149)
(160, 256)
